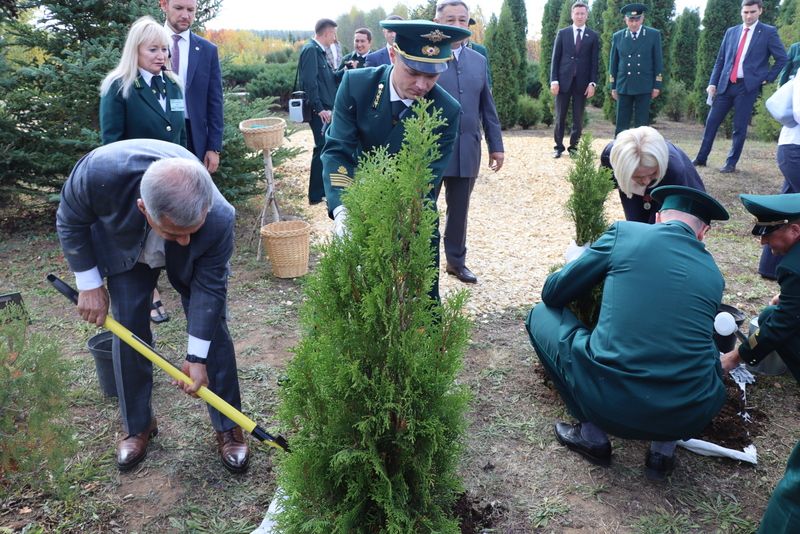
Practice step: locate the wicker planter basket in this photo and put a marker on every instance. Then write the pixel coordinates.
(263, 134)
(286, 243)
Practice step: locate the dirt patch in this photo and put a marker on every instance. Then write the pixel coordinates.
(731, 428)
(474, 516)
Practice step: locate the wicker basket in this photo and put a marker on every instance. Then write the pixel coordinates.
(286, 243)
(263, 134)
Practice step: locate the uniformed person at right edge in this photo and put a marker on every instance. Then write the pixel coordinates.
(778, 225)
(635, 68)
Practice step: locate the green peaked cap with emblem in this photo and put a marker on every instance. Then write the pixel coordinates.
(691, 201)
(424, 45)
(633, 11)
(772, 211)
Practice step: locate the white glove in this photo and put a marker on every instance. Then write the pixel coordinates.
(339, 220)
(574, 251)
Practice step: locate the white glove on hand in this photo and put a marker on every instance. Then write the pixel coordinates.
(339, 220)
(574, 251)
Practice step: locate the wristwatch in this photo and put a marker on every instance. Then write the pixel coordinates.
(191, 358)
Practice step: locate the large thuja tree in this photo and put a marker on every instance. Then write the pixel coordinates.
(504, 60)
(519, 15)
(683, 66)
(596, 23)
(660, 15)
(54, 57)
(375, 413)
(612, 22)
(550, 19)
(719, 15)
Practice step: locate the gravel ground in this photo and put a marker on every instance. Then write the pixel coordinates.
(518, 227)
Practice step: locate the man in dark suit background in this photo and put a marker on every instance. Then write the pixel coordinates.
(127, 210)
(381, 57)
(196, 61)
(319, 83)
(573, 75)
(741, 68)
(467, 81)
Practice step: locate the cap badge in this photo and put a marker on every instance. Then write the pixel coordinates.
(430, 51)
(435, 36)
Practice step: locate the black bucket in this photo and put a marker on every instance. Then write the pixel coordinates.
(100, 347)
(728, 343)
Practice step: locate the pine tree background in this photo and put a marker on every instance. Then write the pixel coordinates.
(660, 15)
(504, 60)
(612, 22)
(550, 19)
(376, 415)
(684, 43)
(520, 17)
(596, 23)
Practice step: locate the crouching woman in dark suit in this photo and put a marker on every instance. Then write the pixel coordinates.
(140, 99)
(641, 160)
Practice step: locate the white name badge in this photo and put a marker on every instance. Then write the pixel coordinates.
(177, 104)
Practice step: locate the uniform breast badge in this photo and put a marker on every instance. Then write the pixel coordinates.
(377, 98)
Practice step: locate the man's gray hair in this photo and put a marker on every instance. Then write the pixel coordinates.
(441, 4)
(179, 188)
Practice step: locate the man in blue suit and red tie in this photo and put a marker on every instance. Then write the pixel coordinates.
(742, 67)
(196, 61)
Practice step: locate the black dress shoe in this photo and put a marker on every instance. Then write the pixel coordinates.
(557, 153)
(462, 273)
(570, 435)
(727, 169)
(699, 162)
(658, 466)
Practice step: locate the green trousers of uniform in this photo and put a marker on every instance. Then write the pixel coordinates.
(783, 511)
(636, 106)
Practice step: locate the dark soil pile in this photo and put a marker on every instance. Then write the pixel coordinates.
(729, 429)
(474, 517)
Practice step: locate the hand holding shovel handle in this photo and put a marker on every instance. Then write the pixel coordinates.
(126, 336)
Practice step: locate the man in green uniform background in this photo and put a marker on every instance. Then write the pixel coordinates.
(778, 224)
(371, 104)
(319, 83)
(634, 69)
(649, 369)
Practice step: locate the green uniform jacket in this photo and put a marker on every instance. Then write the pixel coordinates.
(635, 66)
(779, 326)
(362, 120)
(649, 369)
(316, 77)
(783, 511)
(339, 73)
(790, 70)
(140, 115)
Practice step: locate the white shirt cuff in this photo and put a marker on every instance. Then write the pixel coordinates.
(86, 280)
(554, 83)
(336, 210)
(198, 347)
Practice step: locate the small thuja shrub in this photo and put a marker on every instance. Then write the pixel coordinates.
(591, 185)
(34, 438)
(376, 416)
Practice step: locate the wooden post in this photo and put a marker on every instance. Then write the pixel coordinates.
(270, 202)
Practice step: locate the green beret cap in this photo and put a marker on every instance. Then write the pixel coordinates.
(772, 211)
(692, 201)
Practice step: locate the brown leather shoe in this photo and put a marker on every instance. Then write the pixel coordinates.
(233, 450)
(133, 449)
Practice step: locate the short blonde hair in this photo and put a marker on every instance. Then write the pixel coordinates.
(634, 148)
(145, 30)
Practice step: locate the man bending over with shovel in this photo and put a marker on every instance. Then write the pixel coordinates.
(127, 210)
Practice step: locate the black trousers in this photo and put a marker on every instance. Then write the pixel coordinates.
(316, 189)
(577, 96)
(457, 192)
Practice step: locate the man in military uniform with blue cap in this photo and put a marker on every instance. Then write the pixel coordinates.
(635, 68)
(624, 376)
(778, 225)
(371, 104)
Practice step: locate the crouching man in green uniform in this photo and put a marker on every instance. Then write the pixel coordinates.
(649, 369)
(371, 104)
(778, 224)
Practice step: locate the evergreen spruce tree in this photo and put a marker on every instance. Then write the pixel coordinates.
(771, 10)
(685, 40)
(520, 17)
(660, 15)
(591, 185)
(786, 15)
(718, 17)
(372, 399)
(552, 10)
(565, 17)
(504, 61)
(596, 23)
(789, 23)
(612, 22)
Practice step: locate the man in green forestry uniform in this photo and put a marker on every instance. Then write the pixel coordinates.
(319, 83)
(649, 369)
(634, 69)
(778, 224)
(362, 41)
(371, 104)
